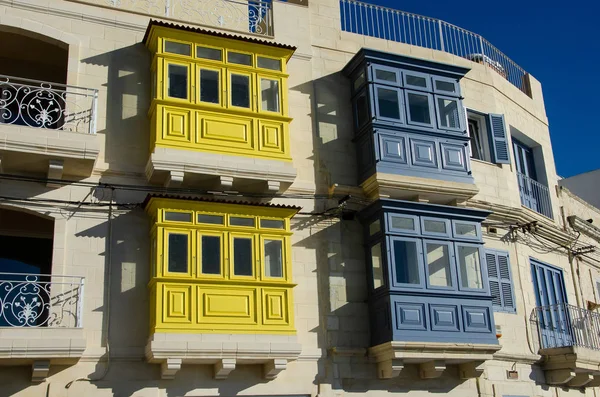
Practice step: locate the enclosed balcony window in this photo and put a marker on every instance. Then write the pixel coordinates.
(178, 253)
(377, 265)
(268, 63)
(239, 58)
(273, 251)
(210, 86)
(174, 47)
(469, 265)
(211, 254)
(406, 257)
(242, 256)
(388, 103)
(419, 108)
(449, 115)
(240, 90)
(362, 109)
(178, 81)
(213, 54)
(269, 93)
(438, 264)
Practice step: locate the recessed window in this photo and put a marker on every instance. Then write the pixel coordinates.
(385, 75)
(362, 109)
(449, 114)
(466, 230)
(178, 81)
(242, 256)
(377, 265)
(416, 81)
(213, 54)
(178, 48)
(438, 264)
(374, 227)
(406, 262)
(470, 267)
(418, 108)
(210, 219)
(272, 224)
(240, 90)
(178, 253)
(269, 94)
(211, 254)
(441, 85)
(209, 86)
(172, 216)
(239, 58)
(273, 258)
(433, 226)
(268, 63)
(389, 103)
(239, 221)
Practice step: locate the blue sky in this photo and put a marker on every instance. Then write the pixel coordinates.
(559, 44)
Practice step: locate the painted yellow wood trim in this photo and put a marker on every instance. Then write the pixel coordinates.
(157, 203)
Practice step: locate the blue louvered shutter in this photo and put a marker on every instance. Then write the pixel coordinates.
(499, 139)
(492, 266)
(500, 280)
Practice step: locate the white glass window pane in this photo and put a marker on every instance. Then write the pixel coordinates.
(209, 86)
(433, 226)
(178, 81)
(242, 256)
(445, 86)
(416, 81)
(211, 219)
(438, 265)
(209, 53)
(406, 262)
(178, 216)
(374, 227)
(178, 48)
(273, 258)
(385, 75)
(211, 254)
(178, 253)
(389, 104)
(272, 224)
(470, 267)
(418, 108)
(377, 265)
(238, 221)
(400, 222)
(466, 229)
(362, 109)
(269, 63)
(240, 59)
(449, 116)
(269, 93)
(240, 90)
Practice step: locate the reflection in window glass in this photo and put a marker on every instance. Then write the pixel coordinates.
(272, 223)
(400, 222)
(445, 86)
(406, 262)
(433, 226)
(466, 229)
(377, 265)
(269, 93)
(416, 81)
(470, 267)
(374, 227)
(269, 63)
(209, 86)
(239, 221)
(178, 48)
(209, 53)
(178, 216)
(389, 104)
(211, 254)
(362, 109)
(242, 256)
(385, 75)
(360, 79)
(178, 82)
(211, 219)
(418, 108)
(240, 59)
(273, 258)
(449, 116)
(240, 90)
(438, 265)
(178, 253)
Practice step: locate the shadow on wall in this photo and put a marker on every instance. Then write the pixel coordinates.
(126, 99)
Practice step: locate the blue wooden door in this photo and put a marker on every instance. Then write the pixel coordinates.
(552, 311)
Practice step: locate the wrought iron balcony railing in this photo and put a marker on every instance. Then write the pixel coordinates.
(534, 195)
(250, 16)
(405, 27)
(38, 300)
(41, 104)
(566, 325)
